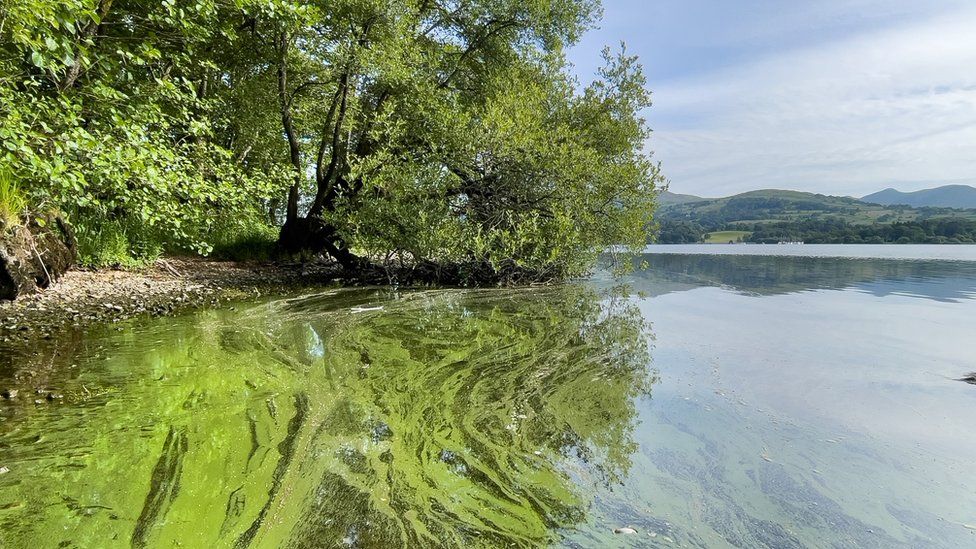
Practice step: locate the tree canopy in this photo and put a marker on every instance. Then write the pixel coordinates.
(447, 132)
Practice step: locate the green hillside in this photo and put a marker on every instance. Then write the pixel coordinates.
(775, 215)
(767, 206)
(668, 197)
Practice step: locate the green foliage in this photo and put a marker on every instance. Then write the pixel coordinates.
(13, 203)
(416, 132)
(680, 232)
(110, 123)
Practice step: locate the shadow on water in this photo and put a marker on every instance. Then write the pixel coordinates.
(355, 418)
(947, 281)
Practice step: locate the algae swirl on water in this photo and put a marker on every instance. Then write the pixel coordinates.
(358, 417)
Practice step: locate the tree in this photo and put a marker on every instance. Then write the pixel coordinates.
(452, 134)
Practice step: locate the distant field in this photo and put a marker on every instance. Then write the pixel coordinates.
(724, 237)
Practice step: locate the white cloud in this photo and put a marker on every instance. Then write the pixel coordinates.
(888, 108)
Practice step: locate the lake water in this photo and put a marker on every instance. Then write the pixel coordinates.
(715, 399)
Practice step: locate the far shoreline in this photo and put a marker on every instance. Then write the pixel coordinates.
(891, 251)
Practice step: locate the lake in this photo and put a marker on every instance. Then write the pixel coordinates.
(725, 396)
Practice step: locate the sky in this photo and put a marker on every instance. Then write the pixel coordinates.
(843, 97)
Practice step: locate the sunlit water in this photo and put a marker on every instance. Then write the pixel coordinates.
(714, 401)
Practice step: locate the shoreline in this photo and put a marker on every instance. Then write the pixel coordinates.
(83, 298)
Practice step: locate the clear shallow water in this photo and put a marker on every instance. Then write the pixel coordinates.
(719, 401)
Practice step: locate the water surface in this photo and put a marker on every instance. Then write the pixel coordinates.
(714, 401)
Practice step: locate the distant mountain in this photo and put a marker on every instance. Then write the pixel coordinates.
(950, 196)
(668, 197)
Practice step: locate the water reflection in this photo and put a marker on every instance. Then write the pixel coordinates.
(947, 281)
(358, 418)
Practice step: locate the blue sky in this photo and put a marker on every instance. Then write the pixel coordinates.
(833, 96)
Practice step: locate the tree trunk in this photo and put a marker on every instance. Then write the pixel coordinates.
(294, 150)
(315, 235)
(324, 195)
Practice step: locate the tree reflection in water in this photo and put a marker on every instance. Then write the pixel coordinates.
(444, 418)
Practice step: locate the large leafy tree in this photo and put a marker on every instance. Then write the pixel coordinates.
(451, 132)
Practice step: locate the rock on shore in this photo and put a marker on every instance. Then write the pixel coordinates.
(34, 256)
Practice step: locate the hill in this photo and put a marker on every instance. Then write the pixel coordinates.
(668, 197)
(772, 205)
(777, 205)
(949, 196)
(774, 215)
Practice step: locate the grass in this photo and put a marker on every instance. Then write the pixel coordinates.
(13, 203)
(255, 241)
(248, 248)
(128, 244)
(724, 237)
(113, 244)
